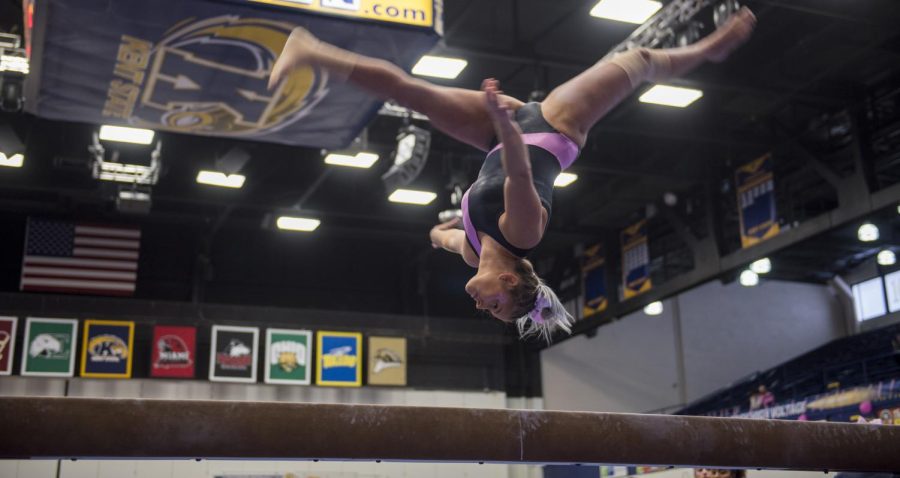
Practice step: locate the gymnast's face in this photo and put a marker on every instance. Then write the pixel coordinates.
(491, 292)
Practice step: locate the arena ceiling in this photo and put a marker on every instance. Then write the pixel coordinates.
(809, 61)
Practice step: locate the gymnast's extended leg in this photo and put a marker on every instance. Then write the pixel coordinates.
(575, 106)
(458, 112)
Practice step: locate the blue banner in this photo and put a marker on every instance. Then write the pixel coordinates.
(339, 359)
(593, 276)
(107, 350)
(756, 201)
(202, 67)
(635, 260)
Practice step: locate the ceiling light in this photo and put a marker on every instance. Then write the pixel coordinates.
(361, 160)
(14, 63)
(439, 67)
(654, 308)
(671, 96)
(14, 161)
(868, 232)
(887, 258)
(630, 11)
(216, 178)
(749, 278)
(408, 196)
(762, 266)
(565, 179)
(303, 224)
(126, 135)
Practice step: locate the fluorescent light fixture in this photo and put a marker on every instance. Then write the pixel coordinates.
(749, 278)
(671, 96)
(868, 232)
(361, 160)
(303, 224)
(14, 161)
(629, 11)
(565, 179)
(18, 64)
(126, 135)
(762, 266)
(654, 308)
(887, 258)
(134, 196)
(439, 67)
(216, 178)
(409, 196)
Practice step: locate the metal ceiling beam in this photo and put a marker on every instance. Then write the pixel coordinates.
(194, 429)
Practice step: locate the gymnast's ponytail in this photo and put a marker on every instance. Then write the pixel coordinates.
(539, 309)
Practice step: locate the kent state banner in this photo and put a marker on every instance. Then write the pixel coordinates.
(635, 260)
(49, 347)
(756, 201)
(202, 67)
(108, 349)
(593, 279)
(339, 359)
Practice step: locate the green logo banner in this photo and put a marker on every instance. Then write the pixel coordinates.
(288, 356)
(49, 348)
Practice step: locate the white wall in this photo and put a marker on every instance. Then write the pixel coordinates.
(726, 332)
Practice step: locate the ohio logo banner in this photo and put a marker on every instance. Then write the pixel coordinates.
(7, 344)
(288, 356)
(107, 349)
(202, 67)
(339, 359)
(49, 347)
(756, 201)
(387, 361)
(635, 260)
(233, 354)
(593, 280)
(174, 352)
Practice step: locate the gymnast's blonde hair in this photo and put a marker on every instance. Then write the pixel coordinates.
(540, 311)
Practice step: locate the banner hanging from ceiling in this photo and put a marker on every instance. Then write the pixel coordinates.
(593, 279)
(202, 67)
(756, 201)
(635, 260)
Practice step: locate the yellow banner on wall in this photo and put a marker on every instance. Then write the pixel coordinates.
(421, 13)
(387, 361)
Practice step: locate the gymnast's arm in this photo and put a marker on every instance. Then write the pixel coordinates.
(446, 237)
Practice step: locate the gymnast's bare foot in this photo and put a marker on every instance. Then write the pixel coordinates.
(730, 36)
(299, 50)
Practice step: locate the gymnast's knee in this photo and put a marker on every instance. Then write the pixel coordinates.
(644, 64)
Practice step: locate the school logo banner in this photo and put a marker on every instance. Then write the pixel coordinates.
(233, 354)
(49, 347)
(593, 280)
(288, 356)
(420, 13)
(756, 201)
(635, 260)
(387, 361)
(107, 349)
(174, 352)
(203, 68)
(339, 359)
(7, 343)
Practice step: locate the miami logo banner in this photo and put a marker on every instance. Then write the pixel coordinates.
(635, 260)
(756, 201)
(203, 67)
(107, 349)
(174, 352)
(593, 280)
(288, 356)
(233, 354)
(7, 343)
(387, 361)
(339, 359)
(49, 347)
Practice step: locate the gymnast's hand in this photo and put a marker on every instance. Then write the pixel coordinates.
(437, 232)
(499, 108)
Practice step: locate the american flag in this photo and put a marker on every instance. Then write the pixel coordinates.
(80, 258)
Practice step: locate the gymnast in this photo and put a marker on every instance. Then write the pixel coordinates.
(507, 208)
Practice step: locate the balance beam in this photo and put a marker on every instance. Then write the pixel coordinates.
(187, 429)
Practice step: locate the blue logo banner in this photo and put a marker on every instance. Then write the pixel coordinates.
(635, 260)
(339, 359)
(756, 201)
(107, 349)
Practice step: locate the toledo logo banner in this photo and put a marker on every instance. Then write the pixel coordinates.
(288, 356)
(174, 352)
(233, 354)
(756, 201)
(635, 260)
(387, 361)
(107, 349)
(203, 68)
(593, 279)
(339, 359)
(7, 343)
(49, 347)
(420, 13)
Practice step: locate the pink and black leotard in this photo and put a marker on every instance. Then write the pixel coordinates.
(549, 152)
